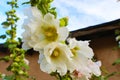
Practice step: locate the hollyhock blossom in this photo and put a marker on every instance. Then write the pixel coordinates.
(81, 47)
(29, 26)
(56, 57)
(94, 67)
(41, 30)
(82, 55)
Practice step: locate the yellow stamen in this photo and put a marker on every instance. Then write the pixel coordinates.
(50, 33)
(74, 50)
(55, 53)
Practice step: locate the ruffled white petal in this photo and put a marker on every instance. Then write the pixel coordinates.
(63, 33)
(95, 67)
(83, 46)
(46, 67)
(62, 62)
(35, 29)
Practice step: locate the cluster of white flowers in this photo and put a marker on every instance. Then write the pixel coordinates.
(43, 34)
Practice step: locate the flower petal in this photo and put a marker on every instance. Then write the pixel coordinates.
(63, 33)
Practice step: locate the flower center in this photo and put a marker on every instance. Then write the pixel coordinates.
(55, 53)
(50, 33)
(74, 50)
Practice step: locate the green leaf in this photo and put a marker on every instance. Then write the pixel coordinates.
(26, 3)
(19, 40)
(52, 11)
(10, 77)
(3, 36)
(110, 75)
(25, 66)
(106, 77)
(46, 1)
(116, 62)
(5, 24)
(9, 68)
(6, 58)
(117, 32)
(34, 2)
(43, 8)
(63, 22)
(10, 46)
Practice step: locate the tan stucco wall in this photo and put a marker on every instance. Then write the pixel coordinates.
(103, 48)
(34, 68)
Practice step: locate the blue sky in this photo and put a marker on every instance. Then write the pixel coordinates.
(81, 13)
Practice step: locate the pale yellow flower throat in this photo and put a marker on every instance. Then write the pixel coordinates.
(50, 33)
(55, 53)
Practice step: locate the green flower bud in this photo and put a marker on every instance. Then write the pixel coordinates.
(15, 64)
(17, 59)
(20, 72)
(13, 2)
(12, 22)
(17, 49)
(9, 19)
(13, 69)
(26, 73)
(12, 55)
(8, 32)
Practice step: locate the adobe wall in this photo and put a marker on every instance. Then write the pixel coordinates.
(102, 47)
(34, 67)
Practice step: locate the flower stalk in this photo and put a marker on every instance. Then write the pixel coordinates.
(17, 55)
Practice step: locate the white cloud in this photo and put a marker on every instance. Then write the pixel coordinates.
(97, 11)
(81, 13)
(2, 17)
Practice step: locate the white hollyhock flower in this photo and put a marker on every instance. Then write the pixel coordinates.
(29, 26)
(56, 57)
(81, 47)
(94, 67)
(41, 30)
(82, 57)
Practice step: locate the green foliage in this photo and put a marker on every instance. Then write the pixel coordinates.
(15, 77)
(116, 62)
(117, 32)
(44, 6)
(3, 36)
(98, 78)
(6, 24)
(9, 77)
(52, 11)
(6, 58)
(11, 18)
(59, 77)
(106, 77)
(17, 55)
